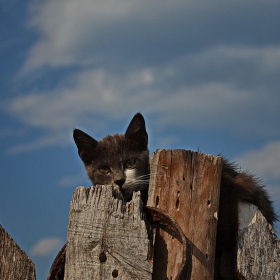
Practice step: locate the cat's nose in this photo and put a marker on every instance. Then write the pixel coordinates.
(120, 182)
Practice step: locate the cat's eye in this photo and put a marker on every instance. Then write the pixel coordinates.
(104, 169)
(130, 163)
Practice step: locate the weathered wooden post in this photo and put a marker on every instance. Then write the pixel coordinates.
(107, 239)
(186, 185)
(14, 263)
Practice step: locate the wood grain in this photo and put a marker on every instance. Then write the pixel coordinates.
(107, 239)
(186, 185)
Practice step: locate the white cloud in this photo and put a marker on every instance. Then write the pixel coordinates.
(265, 58)
(71, 29)
(265, 161)
(84, 32)
(103, 93)
(265, 164)
(95, 97)
(46, 246)
(100, 93)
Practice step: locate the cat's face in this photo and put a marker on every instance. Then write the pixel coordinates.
(119, 160)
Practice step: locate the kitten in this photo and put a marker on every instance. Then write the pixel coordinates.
(121, 160)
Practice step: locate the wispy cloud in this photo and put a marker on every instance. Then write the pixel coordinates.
(72, 180)
(87, 32)
(55, 139)
(102, 95)
(46, 246)
(5, 133)
(265, 161)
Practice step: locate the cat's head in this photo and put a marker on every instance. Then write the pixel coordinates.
(121, 160)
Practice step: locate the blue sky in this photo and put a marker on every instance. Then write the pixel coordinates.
(205, 74)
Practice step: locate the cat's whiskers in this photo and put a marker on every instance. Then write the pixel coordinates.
(139, 183)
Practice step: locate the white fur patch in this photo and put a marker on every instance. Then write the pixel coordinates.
(130, 175)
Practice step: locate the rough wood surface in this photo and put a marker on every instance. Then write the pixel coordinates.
(258, 250)
(106, 239)
(186, 185)
(14, 263)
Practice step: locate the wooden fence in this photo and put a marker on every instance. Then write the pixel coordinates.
(14, 263)
(172, 238)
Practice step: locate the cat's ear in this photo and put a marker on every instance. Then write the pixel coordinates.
(136, 132)
(86, 145)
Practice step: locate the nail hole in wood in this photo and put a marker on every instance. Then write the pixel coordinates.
(115, 273)
(178, 201)
(102, 257)
(157, 201)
